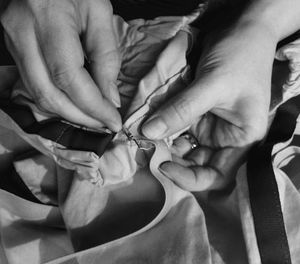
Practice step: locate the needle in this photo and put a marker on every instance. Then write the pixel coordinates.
(130, 136)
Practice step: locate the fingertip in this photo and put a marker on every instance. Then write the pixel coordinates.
(108, 115)
(164, 168)
(155, 128)
(115, 123)
(172, 169)
(178, 174)
(165, 165)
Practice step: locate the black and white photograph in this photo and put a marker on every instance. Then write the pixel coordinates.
(149, 131)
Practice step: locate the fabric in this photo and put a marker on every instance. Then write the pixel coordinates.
(149, 9)
(263, 189)
(136, 215)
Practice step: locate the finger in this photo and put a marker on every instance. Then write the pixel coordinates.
(204, 129)
(25, 51)
(201, 156)
(102, 50)
(63, 54)
(181, 146)
(192, 178)
(183, 162)
(180, 112)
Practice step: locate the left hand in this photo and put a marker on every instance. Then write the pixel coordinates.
(49, 41)
(233, 86)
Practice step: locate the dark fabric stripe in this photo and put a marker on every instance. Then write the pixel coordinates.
(54, 129)
(11, 181)
(149, 9)
(263, 190)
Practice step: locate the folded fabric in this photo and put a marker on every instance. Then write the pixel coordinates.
(133, 214)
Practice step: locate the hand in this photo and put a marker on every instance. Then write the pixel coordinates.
(227, 104)
(49, 40)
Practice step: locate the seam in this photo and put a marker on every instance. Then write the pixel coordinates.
(136, 121)
(62, 133)
(179, 74)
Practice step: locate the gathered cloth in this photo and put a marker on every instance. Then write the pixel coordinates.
(83, 196)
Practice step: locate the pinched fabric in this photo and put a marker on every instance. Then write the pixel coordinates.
(108, 202)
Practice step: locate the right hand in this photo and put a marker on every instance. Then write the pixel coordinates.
(226, 106)
(48, 41)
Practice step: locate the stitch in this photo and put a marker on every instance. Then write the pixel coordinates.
(136, 139)
(99, 131)
(137, 120)
(179, 74)
(130, 136)
(182, 71)
(62, 132)
(122, 141)
(165, 83)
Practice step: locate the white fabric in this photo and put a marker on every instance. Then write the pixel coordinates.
(175, 226)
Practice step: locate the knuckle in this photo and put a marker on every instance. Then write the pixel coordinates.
(62, 76)
(44, 101)
(44, 104)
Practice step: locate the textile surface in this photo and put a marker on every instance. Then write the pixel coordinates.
(136, 215)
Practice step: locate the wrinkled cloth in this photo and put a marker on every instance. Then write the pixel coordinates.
(137, 215)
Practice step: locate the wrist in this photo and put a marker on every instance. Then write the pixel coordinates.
(260, 31)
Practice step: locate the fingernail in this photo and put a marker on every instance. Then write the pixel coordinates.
(115, 96)
(116, 126)
(154, 128)
(163, 171)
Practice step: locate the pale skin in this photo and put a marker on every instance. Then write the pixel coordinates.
(234, 95)
(44, 39)
(49, 39)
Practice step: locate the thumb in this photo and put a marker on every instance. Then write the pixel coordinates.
(102, 51)
(180, 111)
